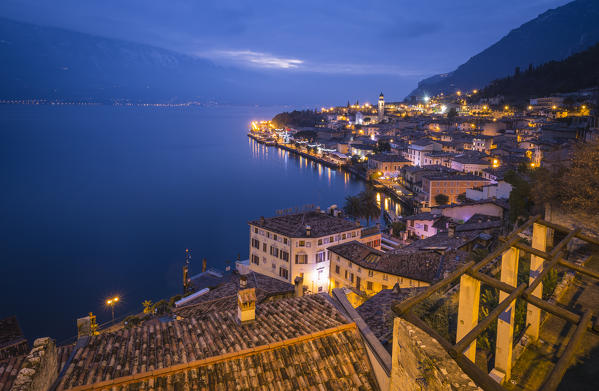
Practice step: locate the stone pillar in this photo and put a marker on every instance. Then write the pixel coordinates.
(39, 369)
(468, 311)
(505, 322)
(533, 314)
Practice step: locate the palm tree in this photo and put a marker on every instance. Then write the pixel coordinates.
(352, 207)
(362, 206)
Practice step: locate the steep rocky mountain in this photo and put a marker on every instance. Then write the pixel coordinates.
(554, 35)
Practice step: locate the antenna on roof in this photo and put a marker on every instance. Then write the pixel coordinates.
(186, 279)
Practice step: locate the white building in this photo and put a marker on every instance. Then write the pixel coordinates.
(419, 149)
(381, 111)
(294, 245)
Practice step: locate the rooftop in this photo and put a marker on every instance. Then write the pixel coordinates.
(294, 225)
(453, 177)
(421, 266)
(229, 286)
(467, 159)
(382, 157)
(295, 343)
(378, 314)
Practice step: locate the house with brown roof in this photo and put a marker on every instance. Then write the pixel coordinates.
(367, 271)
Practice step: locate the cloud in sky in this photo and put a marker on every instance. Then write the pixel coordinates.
(252, 58)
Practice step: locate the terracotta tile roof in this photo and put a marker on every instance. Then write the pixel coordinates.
(421, 266)
(325, 351)
(378, 314)
(332, 362)
(12, 341)
(294, 225)
(265, 287)
(9, 370)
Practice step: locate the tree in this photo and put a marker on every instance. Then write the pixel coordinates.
(147, 306)
(462, 198)
(452, 113)
(382, 146)
(362, 206)
(398, 226)
(520, 198)
(441, 199)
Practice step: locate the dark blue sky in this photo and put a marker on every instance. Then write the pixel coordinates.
(405, 40)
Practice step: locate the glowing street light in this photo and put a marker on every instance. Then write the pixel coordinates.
(426, 99)
(111, 303)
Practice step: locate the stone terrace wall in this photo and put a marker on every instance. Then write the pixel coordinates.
(40, 368)
(420, 363)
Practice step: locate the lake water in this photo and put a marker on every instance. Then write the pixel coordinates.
(99, 201)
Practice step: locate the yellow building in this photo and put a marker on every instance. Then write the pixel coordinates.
(367, 271)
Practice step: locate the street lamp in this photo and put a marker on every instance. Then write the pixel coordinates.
(111, 303)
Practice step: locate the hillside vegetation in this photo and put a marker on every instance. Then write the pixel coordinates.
(577, 72)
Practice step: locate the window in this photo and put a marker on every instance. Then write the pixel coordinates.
(283, 273)
(369, 285)
(255, 230)
(284, 240)
(308, 244)
(370, 273)
(302, 243)
(274, 251)
(349, 264)
(264, 247)
(274, 267)
(275, 236)
(268, 234)
(319, 275)
(337, 269)
(359, 269)
(353, 234)
(343, 237)
(331, 239)
(351, 277)
(320, 242)
(255, 259)
(256, 243)
(284, 256)
(320, 257)
(301, 259)
(385, 277)
(425, 228)
(346, 274)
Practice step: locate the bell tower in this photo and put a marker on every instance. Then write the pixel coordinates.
(381, 112)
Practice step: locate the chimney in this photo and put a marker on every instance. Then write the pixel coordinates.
(299, 286)
(203, 265)
(246, 305)
(243, 281)
(451, 230)
(308, 230)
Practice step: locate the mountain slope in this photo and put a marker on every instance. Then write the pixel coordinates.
(47, 62)
(576, 72)
(553, 35)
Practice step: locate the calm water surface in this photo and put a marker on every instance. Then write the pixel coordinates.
(101, 201)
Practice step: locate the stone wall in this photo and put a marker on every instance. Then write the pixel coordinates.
(40, 368)
(420, 363)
